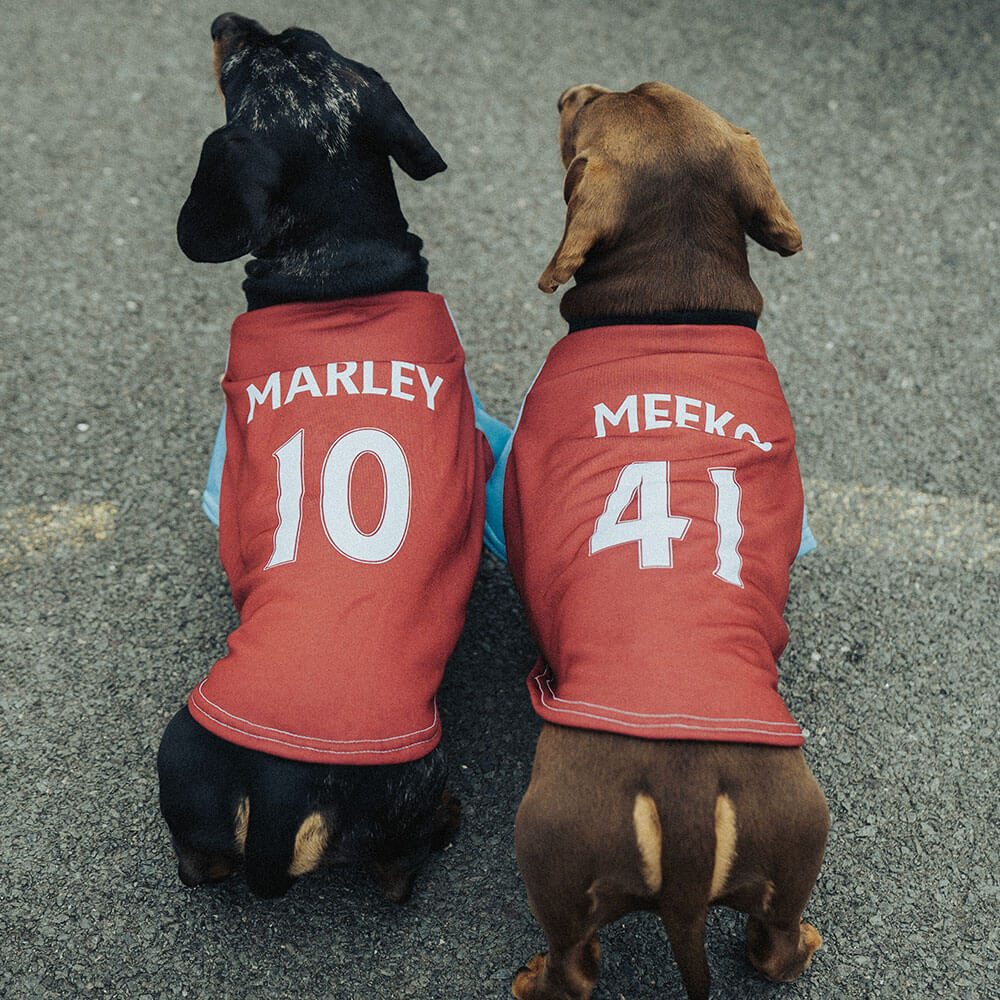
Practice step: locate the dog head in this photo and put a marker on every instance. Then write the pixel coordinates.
(305, 148)
(659, 188)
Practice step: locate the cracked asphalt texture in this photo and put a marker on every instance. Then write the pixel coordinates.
(879, 121)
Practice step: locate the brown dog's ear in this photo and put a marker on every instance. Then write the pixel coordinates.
(398, 136)
(575, 97)
(593, 215)
(225, 215)
(765, 216)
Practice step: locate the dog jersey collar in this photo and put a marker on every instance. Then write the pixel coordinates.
(692, 317)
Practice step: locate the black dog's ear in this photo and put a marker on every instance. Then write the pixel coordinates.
(225, 215)
(399, 137)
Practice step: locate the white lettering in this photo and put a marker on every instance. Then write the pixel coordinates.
(431, 388)
(713, 426)
(745, 430)
(399, 380)
(341, 377)
(728, 561)
(655, 417)
(654, 529)
(289, 506)
(603, 415)
(368, 385)
(682, 406)
(303, 381)
(341, 371)
(272, 386)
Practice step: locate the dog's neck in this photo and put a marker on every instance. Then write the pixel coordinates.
(351, 243)
(686, 317)
(645, 274)
(315, 273)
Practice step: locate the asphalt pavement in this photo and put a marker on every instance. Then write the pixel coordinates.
(879, 121)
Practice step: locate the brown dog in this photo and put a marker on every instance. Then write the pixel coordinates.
(675, 780)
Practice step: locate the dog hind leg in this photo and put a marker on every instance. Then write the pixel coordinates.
(569, 906)
(563, 973)
(686, 932)
(780, 944)
(781, 953)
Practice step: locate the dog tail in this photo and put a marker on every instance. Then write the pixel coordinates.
(284, 840)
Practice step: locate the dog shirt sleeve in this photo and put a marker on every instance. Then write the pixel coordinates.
(213, 481)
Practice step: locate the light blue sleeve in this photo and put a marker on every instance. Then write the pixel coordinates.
(498, 434)
(494, 500)
(808, 543)
(210, 495)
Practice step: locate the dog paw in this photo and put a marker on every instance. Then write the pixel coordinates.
(778, 955)
(396, 880)
(527, 978)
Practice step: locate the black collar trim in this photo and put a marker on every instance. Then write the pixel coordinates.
(706, 317)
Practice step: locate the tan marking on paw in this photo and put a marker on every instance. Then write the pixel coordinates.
(310, 843)
(649, 837)
(241, 825)
(809, 940)
(725, 844)
(523, 986)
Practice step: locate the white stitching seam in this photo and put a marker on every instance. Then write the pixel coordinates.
(256, 732)
(784, 728)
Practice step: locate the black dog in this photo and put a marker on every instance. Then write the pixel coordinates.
(300, 177)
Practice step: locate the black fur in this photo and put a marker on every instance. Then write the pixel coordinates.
(300, 177)
(389, 815)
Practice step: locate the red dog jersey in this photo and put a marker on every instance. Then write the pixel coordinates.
(351, 524)
(652, 509)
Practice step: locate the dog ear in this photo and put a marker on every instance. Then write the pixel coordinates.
(593, 215)
(765, 216)
(398, 136)
(226, 213)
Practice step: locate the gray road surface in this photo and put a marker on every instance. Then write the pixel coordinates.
(880, 124)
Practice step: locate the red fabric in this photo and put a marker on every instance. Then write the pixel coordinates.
(338, 660)
(666, 653)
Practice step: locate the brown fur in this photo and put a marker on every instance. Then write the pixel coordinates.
(660, 194)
